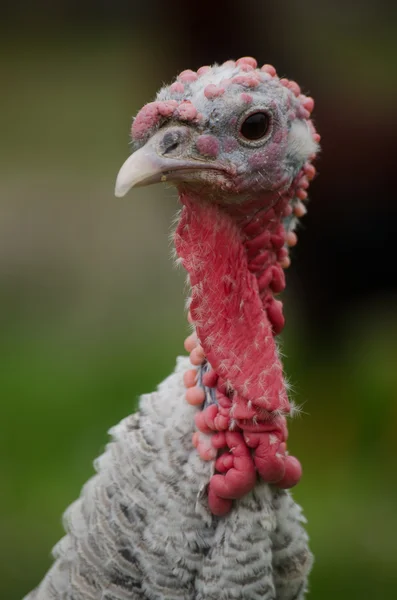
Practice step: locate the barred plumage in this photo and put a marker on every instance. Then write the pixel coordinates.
(140, 529)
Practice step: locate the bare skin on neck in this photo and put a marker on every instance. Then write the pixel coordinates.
(236, 317)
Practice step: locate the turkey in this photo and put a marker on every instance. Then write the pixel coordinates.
(190, 500)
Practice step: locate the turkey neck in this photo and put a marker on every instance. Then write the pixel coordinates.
(232, 255)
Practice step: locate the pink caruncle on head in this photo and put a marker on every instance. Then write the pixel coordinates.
(216, 101)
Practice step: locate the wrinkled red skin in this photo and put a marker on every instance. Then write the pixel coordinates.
(236, 317)
(269, 457)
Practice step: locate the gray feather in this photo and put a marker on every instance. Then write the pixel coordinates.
(141, 528)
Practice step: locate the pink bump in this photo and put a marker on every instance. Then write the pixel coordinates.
(187, 76)
(304, 183)
(247, 98)
(204, 447)
(195, 396)
(186, 111)
(308, 103)
(246, 80)
(246, 68)
(284, 82)
(275, 315)
(167, 107)
(269, 69)
(285, 262)
(292, 240)
(293, 473)
(147, 118)
(303, 113)
(224, 463)
(247, 61)
(213, 91)
(203, 70)
(177, 87)
(300, 209)
(208, 145)
(310, 171)
(294, 87)
(229, 63)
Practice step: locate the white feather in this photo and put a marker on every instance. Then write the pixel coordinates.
(300, 141)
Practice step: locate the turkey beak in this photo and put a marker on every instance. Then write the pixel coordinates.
(143, 167)
(165, 157)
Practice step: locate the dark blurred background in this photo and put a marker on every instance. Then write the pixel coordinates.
(92, 312)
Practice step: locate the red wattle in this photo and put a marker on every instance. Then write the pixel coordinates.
(236, 317)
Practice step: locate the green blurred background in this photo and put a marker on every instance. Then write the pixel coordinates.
(92, 311)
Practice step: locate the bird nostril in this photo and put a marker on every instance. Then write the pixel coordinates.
(170, 143)
(170, 148)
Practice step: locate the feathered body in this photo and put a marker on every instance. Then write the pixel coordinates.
(157, 522)
(142, 528)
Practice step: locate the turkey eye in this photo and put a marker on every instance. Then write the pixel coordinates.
(255, 126)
